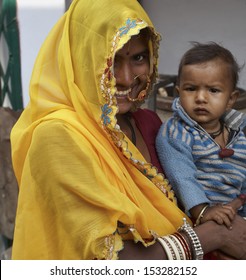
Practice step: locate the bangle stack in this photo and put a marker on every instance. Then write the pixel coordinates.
(195, 242)
(172, 247)
(200, 216)
(185, 244)
(177, 247)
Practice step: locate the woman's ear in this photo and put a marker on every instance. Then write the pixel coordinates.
(233, 98)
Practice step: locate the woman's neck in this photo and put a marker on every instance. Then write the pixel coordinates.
(129, 128)
(127, 125)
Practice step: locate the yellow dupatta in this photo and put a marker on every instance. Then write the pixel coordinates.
(78, 175)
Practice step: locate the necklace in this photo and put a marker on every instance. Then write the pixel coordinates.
(218, 132)
(225, 152)
(129, 124)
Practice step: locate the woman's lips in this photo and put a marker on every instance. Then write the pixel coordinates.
(122, 93)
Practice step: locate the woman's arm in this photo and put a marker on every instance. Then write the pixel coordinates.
(212, 236)
(231, 242)
(136, 251)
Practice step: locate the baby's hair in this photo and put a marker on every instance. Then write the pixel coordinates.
(201, 53)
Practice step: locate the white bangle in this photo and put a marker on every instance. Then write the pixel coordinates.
(169, 252)
(173, 247)
(177, 243)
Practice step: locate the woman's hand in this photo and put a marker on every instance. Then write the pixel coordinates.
(235, 244)
(231, 243)
(226, 244)
(235, 239)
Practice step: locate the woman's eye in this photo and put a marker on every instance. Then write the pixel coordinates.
(139, 58)
(142, 58)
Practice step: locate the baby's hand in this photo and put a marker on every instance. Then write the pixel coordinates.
(224, 213)
(236, 203)
(221, 214)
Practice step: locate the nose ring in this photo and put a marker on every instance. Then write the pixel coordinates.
(141, 96)
(137, 76)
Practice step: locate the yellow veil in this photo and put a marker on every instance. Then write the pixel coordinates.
(83, 186)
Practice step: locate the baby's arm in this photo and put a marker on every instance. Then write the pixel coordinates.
(174, 147)
(220, 213)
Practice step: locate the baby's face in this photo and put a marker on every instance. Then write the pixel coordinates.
(205, 90)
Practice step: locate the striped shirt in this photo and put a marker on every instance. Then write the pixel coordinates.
(191, 161)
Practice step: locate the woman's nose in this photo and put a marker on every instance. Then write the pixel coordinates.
(124, 75)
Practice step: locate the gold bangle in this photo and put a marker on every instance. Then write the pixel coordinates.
(200, 216)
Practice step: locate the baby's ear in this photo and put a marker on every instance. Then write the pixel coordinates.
(233, 98)
(177, 89)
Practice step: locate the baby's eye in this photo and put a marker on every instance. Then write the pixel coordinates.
(190, 88)
(214, 90)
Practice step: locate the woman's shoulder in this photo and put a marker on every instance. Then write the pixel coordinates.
(50, 125)
(53, 131)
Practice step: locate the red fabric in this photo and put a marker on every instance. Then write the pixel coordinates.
(148, 122)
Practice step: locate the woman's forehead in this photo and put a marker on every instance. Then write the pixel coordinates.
(135, 45)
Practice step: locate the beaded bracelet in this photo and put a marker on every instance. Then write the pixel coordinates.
(200, 216)
(196, 244)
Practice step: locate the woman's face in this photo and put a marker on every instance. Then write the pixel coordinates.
(131, 69)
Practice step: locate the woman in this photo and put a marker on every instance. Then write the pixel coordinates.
(82, 158)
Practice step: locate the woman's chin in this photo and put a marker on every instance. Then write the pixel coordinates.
(124, 107)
